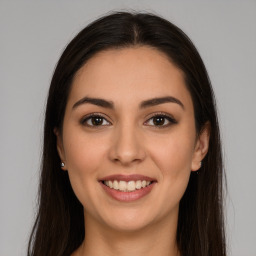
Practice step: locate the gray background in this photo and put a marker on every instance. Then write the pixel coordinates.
(33, 34)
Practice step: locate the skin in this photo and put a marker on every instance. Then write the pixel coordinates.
(129, 142)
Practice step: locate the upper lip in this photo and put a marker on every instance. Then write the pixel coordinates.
(127, 178)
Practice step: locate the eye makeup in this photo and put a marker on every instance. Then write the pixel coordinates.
(157, 120)
(160, 120)
(95, 120)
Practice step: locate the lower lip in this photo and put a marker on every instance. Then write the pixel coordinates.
(128, 196)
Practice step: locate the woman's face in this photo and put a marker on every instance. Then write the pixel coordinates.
(129, 141)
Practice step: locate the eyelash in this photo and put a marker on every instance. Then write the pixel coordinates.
(166, 117)
(90, 117)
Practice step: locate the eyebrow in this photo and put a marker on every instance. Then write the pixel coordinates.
(144, 104)
(162, 100)
(95, 101)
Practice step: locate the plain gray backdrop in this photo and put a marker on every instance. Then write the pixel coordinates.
(32, 37)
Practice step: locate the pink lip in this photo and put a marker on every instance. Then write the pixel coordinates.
(127, 196)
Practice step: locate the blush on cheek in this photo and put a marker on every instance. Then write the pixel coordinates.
(174, 158)
(83, 153)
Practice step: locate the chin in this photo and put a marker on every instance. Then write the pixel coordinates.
(128, 220)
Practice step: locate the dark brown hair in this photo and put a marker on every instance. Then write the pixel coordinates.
(59, 226)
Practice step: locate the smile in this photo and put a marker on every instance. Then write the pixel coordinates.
(125, 186)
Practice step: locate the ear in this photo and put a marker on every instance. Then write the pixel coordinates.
(201, 147)
(60, 148)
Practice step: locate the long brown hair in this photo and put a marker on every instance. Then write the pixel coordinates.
(59, 226)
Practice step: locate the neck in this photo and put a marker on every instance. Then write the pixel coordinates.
(157, 239)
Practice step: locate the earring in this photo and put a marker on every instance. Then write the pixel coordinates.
(62, 164)
(198, 171)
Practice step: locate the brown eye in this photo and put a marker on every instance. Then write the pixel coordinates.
(161, 121)
(95, 120)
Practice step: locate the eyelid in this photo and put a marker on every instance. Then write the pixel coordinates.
(91, 115)
(169, 117)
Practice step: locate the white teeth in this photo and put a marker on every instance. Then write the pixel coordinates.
(127, 186)
(122, 185)
(115, 184)
(131, 186)
(138, 184)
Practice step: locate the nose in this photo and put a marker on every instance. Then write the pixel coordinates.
(127, 146)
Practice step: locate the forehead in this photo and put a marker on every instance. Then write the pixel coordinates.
(129, 73)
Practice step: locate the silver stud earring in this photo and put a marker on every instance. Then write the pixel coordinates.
(62, 164)
(198, 171)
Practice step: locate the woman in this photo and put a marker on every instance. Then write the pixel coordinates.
(132, 160)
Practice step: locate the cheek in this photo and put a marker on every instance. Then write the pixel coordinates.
(174, 163)
(174, 154)
(83, 153)
(83, 157)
